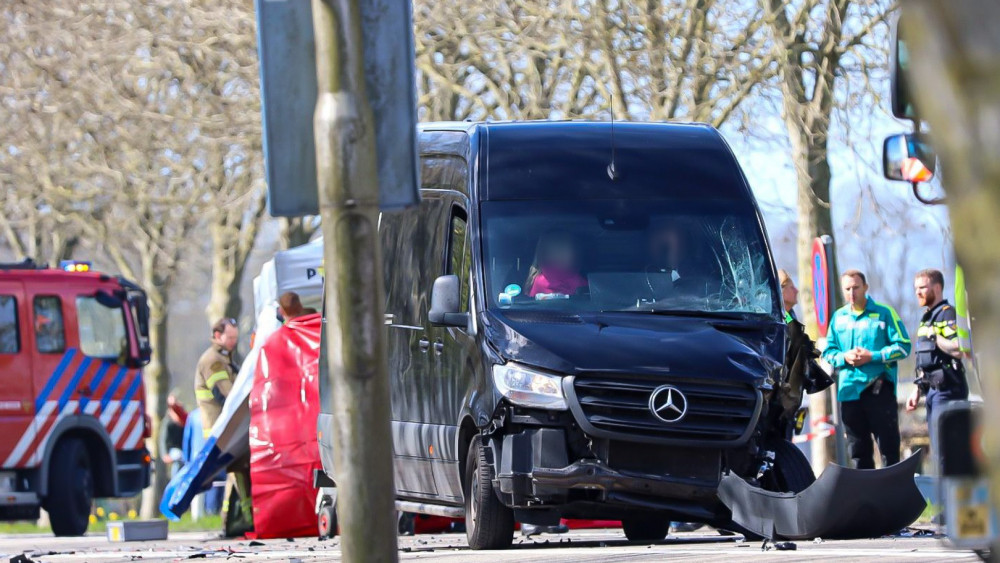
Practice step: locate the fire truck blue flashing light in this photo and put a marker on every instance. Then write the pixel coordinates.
(74, 266)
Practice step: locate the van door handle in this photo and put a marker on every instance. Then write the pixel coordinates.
(424, 344)
(438, 346)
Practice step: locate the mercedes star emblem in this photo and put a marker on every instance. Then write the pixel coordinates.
(668, 404)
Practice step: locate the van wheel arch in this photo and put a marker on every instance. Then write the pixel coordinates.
(466, 432)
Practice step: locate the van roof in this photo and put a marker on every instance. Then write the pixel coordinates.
(559, 159)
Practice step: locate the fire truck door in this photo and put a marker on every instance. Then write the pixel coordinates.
(17, 389)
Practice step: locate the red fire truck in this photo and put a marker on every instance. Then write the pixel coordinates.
(73, 420)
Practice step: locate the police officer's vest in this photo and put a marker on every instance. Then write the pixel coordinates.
(940, 370)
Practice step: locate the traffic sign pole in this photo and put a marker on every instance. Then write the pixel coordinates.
(349, 204)
(825, 404)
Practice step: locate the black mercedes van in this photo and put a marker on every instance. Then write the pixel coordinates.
(583, 321)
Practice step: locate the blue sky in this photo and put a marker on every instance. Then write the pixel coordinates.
(879, 226)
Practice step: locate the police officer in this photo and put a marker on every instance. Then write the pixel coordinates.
(216, 373)
(940, 372)
(865, 342)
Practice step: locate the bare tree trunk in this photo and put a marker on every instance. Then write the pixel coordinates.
(954, 42)
(358, 374)
(812, 168)
(296, 231)
(227, 276)
(157, 380)
(807, 91)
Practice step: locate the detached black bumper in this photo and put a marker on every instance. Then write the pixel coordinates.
(842, 504)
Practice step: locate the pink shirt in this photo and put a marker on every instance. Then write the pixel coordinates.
(553, 280)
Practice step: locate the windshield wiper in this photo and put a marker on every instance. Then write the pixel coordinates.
(729, 315)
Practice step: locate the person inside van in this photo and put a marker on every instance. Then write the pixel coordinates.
(674, 249)
(555, 270)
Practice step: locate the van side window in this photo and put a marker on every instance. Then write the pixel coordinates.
(10, 337)
(50, 335)
(460, 252)
(102, 329)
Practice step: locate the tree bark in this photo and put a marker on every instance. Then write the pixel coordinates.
(358, 373)
(807, 87)
(955, 53)
(156, 377)
(812, 168)
(227, 276)
(296, 231)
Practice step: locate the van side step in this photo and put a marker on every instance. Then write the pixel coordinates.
(430, 509)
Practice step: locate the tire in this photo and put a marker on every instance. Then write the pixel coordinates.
(326, 521)
(406, 523)
(489, 524)
(645, 529)
(71, 488)
(791, 468)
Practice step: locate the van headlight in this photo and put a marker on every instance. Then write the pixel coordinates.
(529, 388)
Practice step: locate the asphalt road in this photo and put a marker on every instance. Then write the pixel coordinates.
(604, 546)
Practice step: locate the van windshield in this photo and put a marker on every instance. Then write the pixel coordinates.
(657, 256)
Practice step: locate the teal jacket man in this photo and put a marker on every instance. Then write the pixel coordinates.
(876, 328)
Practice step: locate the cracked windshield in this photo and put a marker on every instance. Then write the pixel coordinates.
(617, 255)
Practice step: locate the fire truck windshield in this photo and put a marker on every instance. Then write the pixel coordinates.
(102, 329)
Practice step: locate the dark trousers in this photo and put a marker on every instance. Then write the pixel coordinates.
(872, 414)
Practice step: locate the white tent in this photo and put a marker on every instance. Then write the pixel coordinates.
(298, 269)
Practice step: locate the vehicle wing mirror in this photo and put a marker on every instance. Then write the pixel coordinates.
(140, 312)
(446, 302)
(908, 158)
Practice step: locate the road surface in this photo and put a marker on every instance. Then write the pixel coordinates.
(597, 546)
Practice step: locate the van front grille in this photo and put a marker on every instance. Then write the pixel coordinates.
(611, 406)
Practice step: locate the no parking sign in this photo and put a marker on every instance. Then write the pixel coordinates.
(823, 283)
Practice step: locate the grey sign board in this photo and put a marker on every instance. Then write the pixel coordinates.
(287, 51)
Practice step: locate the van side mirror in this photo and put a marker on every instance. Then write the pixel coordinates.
(446, 302)
(908, 157)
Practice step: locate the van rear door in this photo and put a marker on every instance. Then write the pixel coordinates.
(17, 389)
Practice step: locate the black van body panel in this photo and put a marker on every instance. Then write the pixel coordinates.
(570, 160)
(579, 462)
(641, 344)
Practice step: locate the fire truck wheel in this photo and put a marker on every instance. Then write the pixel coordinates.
(71, 488)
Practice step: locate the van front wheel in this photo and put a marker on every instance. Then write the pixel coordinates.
(488, 523)
(648, 529)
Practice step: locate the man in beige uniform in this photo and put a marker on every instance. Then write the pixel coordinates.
(216, 372)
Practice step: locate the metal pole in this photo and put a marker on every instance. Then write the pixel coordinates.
(839, 441)
(348, 200)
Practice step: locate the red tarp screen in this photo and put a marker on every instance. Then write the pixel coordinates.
(284, 405)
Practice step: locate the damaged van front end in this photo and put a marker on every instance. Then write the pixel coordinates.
(642, 367)
(583, 321)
